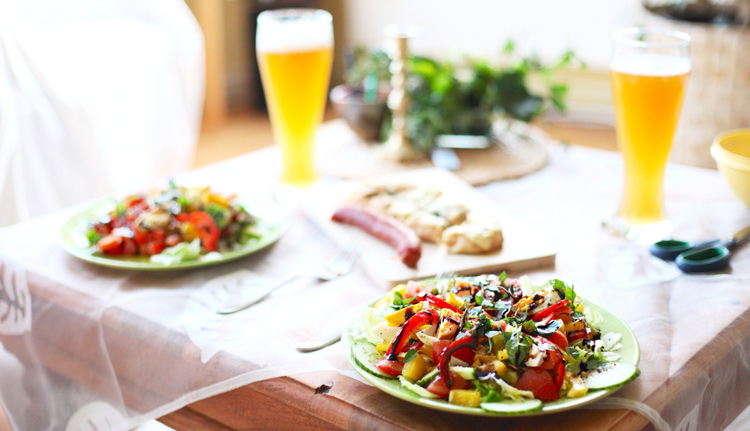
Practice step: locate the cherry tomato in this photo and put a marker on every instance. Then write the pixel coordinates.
(119, 222)
(110, 244)
(140, 236)
(133, 201)
(539, 382)
(439, 388)
(392, 368)
(152, 248)
(102, 228)
(559, 339)
(208, 232)
(129, 247)
(156, 234)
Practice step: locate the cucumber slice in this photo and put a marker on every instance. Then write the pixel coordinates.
(610, 376)
(365, 355)
(513, 407)
(422, 392)
(428, 378)
(466, 373)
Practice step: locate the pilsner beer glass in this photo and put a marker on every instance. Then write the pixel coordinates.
(649, 71)
(295, 51)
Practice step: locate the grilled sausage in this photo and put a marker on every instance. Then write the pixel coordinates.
(386, 229)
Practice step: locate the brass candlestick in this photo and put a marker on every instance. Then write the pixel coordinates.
(398, 146)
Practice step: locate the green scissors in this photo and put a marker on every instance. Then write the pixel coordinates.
(700, 257)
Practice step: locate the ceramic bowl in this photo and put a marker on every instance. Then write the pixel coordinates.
(731, 151)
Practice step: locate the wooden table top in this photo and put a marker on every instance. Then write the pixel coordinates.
(683, 380)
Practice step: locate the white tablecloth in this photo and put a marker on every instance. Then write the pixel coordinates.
(672, 314)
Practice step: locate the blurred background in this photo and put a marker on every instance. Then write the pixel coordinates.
(478, 28)
(720, 81)
(104, 97)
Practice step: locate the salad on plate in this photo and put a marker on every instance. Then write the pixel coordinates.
(173, 225)
(490, 344)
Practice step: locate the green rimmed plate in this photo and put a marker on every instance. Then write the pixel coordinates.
(271, 225)
(630, 352)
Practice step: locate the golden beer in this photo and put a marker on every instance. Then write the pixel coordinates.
(648, 87)
(294, 57)
(647, 108)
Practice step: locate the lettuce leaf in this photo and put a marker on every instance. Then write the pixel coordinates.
(182, 252)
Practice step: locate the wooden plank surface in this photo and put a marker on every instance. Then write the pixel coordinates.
(522, 249)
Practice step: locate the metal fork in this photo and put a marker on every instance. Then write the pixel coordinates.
(334, 268)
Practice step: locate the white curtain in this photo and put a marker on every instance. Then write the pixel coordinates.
(97, 97)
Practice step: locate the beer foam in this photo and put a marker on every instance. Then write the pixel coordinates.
(295, 30)
(651, 65)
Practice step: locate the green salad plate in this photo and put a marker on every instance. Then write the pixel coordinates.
(630, 352)
(271, 224)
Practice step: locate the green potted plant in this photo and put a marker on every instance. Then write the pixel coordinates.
(361, 100)
(454, 98)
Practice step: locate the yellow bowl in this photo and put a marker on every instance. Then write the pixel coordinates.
(731, 151)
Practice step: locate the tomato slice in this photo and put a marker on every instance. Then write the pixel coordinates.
(554, 363)
(553, 357)
(558, 375)
(392, 368)
(559, 339)
(539, 382)
(437, 349)
(110, 244)
(439, 388)
(208, 232)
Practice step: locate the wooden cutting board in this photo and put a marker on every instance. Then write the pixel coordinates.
(523, 248)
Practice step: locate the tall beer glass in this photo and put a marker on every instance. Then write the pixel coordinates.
(295, 50)
(649, 71)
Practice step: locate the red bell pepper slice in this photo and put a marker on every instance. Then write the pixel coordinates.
(434, 300)
(438, 347)
(425, 317)
(577, 335)
(549, 310)
(469, 342)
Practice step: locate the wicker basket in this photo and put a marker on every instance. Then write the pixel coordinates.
(718, 95)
